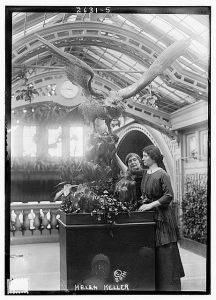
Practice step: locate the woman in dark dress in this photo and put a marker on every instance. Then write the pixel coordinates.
(157, 195)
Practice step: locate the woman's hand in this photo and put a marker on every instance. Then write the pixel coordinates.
(149, 206)
(144, 207)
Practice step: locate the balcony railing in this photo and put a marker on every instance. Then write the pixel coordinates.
(34, 222)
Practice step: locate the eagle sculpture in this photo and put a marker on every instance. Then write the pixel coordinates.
(110, 105)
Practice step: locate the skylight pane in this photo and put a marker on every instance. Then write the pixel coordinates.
(139, 67)
(116, 68)
(129, 77)
(93, 55)
(164, 90)
(147, 18)
(93, 48)
(177, 17)
(180, 94)
(205, 35)
(136, 76)
(154, 84)
(15, 15)
(18, 35)
(200, 69)
(189, 99)
(187, 61)
(162, 25)
(128, 59)
(199, 48)
(36, 26)
(109, 56)
(133, 25)
(121, 18)
(50, 18)
(72, 18)
(107, 63)
(18, 16)
(122, 65)
(100, 50)
(104, 61)
(114, 53)
(194, 24)
(168, 88)
(158, 80)
(177, 34)
(175, 97)
(181, 16)
(162, 44)
(107, 21)
(149, 36)
(184, 66)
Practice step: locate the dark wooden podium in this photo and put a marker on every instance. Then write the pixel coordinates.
(107, 257)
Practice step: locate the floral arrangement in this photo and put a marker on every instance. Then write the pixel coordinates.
(82, 199)
(90, 186)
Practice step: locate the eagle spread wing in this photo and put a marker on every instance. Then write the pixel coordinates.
(77, 71)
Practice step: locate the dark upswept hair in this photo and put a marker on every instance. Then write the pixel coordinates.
(154, 153)
(132, 154)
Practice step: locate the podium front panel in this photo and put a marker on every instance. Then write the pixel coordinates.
(118, 257)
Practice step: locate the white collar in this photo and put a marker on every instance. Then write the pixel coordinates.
(153, 171)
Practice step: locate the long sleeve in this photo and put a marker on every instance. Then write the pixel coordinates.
(167, 190)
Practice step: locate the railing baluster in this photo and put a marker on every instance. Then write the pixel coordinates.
(26, 223)
(41, 218)
(13, 221)
(36, 221)
(48, 217)
(53, 220)
(31, 217)
(19, 224)
(21, 221)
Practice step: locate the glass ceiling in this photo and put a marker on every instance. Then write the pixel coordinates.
(161, 29)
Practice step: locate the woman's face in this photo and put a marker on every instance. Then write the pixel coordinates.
(133, 163)
(147, 160)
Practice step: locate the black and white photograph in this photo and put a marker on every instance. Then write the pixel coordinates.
(107, 150)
